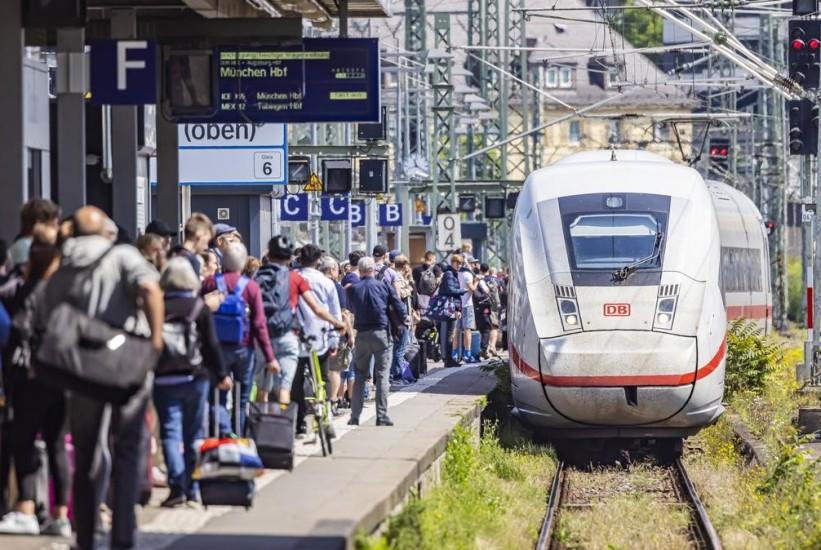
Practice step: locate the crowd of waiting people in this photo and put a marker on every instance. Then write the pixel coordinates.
(365, 318)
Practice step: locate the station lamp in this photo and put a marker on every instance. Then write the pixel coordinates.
(299, 170)
(494, 208)
(337, 175)
(512, 198)
(373, 176)
(467, 202)
(804, 7)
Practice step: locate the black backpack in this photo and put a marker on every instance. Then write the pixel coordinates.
(427, 282)
(181, 343)
(275, 283)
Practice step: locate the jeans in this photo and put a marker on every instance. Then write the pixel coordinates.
(85, 416)
(400, 346)
(239, 362)
(180, 408)
(374, 344)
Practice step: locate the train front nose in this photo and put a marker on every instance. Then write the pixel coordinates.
(618, 378)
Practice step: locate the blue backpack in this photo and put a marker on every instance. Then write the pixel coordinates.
(231, 319)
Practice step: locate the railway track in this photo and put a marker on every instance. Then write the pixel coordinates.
(669, 485)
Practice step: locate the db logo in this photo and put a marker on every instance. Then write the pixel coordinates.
(616, 310)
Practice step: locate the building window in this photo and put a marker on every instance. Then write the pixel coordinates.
(575, 136)
(551, 77)
(565, 77)
(615, 132)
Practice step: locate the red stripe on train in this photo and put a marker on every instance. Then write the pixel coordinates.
(748, 312)
(615, 381)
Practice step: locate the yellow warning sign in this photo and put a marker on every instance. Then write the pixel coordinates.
(315, 184)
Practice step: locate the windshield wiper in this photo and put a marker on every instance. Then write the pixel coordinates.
(624, 272)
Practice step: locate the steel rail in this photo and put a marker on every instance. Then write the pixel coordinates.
(553, 504)
(707, 532)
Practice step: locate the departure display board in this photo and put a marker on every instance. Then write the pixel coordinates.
(324, 80)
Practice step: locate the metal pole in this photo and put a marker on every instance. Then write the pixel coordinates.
(124, 187)
(12, 149)
(71, 119)
(816, 270)
(807, 261)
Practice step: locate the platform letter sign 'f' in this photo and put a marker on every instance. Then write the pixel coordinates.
(123, 72)
(123, 63)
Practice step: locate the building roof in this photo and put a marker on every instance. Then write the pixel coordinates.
(581, 40)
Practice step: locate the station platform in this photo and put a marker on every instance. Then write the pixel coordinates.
(325, 501)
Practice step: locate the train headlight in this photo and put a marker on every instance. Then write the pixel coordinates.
(569, 312)
(665, 311)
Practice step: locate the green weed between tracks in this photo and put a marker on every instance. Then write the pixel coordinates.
(773, 506)
(492, 496)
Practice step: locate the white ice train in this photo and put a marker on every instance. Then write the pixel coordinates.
(625, 269)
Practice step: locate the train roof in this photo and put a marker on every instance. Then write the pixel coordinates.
(728, 197)
(631, 171)
(604, 155)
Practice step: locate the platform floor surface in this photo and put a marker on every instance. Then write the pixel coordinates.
(325, 500)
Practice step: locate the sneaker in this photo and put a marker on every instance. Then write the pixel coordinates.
(15, 523)
(57, 528)
(335, 410)
(302, 431)
(173, 501)
(193, 504)
(455, 355)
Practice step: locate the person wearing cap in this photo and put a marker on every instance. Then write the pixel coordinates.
(224, 235)
(159, 227)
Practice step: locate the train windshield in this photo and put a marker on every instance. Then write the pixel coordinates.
(611, 241)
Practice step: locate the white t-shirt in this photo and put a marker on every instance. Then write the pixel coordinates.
(465, 278)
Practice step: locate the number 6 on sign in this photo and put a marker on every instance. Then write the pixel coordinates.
(449, 232)
(267, 165)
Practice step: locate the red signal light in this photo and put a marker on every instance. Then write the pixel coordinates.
(713, 151)
(797, 44)
(723, 152)
(814, 43)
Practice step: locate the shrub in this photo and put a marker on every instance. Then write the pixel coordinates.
(751, 358)
(795, 290)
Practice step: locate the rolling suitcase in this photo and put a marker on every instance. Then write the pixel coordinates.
(272, 427)
(227, 467)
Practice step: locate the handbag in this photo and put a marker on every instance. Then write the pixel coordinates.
(88, 356)
(443, 308)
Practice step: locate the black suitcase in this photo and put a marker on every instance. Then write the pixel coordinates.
(272, 427)
(227, 491)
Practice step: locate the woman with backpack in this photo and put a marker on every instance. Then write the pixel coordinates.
(190, 360)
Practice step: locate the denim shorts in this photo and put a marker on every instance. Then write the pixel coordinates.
(349, 373)
(468, 318)
(286, 351)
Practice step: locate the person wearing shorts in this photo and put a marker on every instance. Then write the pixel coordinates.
(287, 346)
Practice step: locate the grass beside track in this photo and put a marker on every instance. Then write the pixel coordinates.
(772, 506)
(492, 496)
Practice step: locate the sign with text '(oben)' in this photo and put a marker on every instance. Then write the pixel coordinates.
(233, 154)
